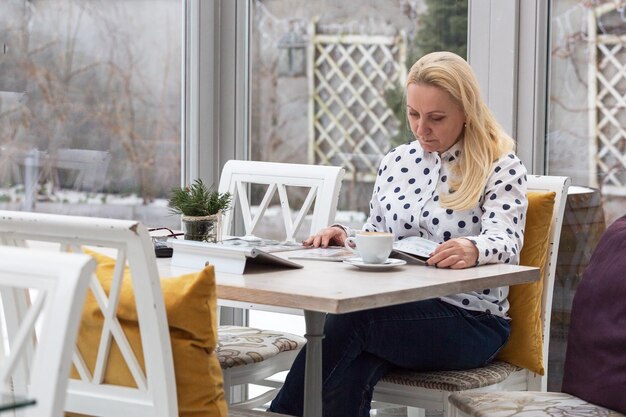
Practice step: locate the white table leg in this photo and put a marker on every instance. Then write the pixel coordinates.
(314, 321)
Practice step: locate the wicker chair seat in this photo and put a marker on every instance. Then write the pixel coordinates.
(491, 374)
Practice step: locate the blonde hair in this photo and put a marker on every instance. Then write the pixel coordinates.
(485, 140)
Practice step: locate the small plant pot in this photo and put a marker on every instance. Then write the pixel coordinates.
(203, 228)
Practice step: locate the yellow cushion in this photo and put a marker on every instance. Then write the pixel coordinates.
(524, 348)
(190, 303)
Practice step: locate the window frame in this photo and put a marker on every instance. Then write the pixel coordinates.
(513, 70)
(216, 87)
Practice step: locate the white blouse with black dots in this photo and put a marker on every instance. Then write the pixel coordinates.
(405, 202)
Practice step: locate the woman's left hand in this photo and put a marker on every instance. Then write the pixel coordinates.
(456, 253)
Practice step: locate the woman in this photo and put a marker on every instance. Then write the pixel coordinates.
(460, 184)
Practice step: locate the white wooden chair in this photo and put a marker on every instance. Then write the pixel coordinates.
(421, 391)
(155, 393)
(323, 184)
(41, 330)
(274, 351)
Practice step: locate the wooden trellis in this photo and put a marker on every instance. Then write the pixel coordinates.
(350, 123)
(607, 103)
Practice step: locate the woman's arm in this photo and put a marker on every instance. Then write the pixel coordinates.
(504, 205)
(504, 208)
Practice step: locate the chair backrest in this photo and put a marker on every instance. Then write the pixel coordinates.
(560, 186)
(323, 183)
(40, 341)
(128, 242)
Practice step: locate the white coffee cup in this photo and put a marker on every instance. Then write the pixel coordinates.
(373, 247)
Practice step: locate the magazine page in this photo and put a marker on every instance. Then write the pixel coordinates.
(266, 245)
(415, 245)
(331, 253)
(412, 249)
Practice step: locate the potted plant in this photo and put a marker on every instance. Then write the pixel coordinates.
(201, 210)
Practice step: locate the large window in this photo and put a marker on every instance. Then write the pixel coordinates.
(586, 141)
(90, 106)
(586, 135)
(327, 83)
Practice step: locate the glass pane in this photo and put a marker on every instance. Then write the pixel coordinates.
(90, 107)
(586, 140)
(327, 84)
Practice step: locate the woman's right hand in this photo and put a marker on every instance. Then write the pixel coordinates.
(333, 235)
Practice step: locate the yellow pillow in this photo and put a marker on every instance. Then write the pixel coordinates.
(190, 304)
(524, 348)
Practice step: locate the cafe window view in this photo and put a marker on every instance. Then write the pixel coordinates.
(90, 107)
(585, 140)
(97, 114)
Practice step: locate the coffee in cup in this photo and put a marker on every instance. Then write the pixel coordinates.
(372, 247)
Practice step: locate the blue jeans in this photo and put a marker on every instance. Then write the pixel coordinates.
(360, 347)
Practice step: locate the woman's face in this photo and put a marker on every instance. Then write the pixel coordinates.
(436, 119)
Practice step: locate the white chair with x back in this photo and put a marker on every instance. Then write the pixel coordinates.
(249, 355)
(42, 296)
(153, 394)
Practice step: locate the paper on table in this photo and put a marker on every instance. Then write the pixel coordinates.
(332, 254)
(266, 245)
(413, 249)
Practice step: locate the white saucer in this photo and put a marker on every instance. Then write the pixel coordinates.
(388, 264)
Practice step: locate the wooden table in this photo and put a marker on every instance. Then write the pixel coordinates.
(334, 287)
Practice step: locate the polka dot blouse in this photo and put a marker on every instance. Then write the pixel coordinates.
(405, 201)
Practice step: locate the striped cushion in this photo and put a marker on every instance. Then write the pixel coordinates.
(245, 345)
(535, 404)
(493, 373)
